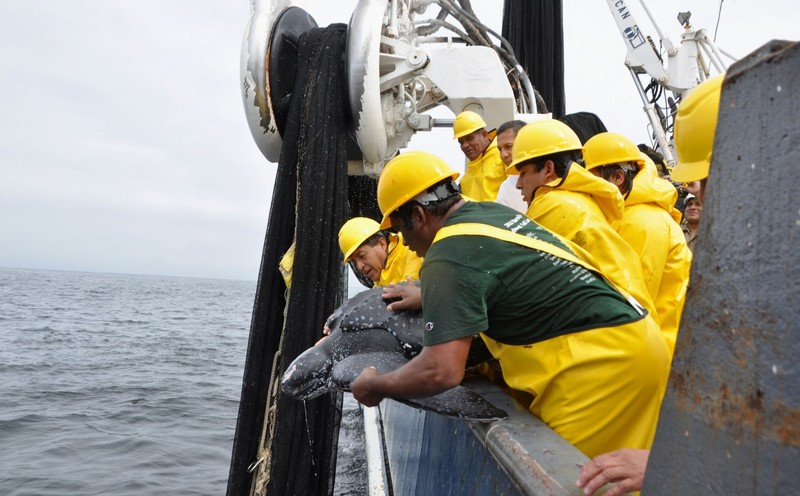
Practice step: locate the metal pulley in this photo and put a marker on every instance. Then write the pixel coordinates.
(270, 41)
(396, 68)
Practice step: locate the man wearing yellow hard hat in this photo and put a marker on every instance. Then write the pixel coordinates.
(485, 171)
(695, 127)
(649, 223)
(594, 364)
(572, 202)
(378, 258)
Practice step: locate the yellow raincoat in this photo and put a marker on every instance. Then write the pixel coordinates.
(581, 207)
(400, 263)
(560, 375)
(650, 226)
(484, 175)
(632, 361)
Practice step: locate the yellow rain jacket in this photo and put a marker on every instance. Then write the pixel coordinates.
(400, 263)
(650, 226)
(581, 207)
(484, 175)
(561, 374)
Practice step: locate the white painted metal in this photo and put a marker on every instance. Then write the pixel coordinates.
(376, 464)
(395, 76)
(254, 78)
(684, 67)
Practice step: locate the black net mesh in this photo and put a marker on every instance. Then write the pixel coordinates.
(363, 203)
(363, 199)
(310, 200)
(536, 33)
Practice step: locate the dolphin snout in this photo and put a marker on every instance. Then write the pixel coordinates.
(308, 376)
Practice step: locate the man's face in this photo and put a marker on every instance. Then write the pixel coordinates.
(692, 211)
(529, 179)
(474, 144)
(413, 236)
(505, 142)
(370, 260)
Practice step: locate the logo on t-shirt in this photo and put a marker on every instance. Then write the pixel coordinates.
(429, 326)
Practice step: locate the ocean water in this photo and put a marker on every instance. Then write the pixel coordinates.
(119, 384)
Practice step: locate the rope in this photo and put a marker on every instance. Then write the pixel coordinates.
(262, 476)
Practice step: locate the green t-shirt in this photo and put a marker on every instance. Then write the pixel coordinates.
(515, 294)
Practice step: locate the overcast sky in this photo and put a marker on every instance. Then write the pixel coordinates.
(124, 146)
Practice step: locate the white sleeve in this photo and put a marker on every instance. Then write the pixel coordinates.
(510, 196)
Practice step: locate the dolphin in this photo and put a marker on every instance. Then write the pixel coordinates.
(365, 334)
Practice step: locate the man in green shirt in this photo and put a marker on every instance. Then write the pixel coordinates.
(593, 361)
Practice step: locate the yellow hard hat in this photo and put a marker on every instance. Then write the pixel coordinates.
(541, 138)
(354, 232)
(608, 149)
(467, 122)
(695, 125)
(406, 176)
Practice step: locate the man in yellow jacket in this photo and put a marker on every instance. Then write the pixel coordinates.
(485, 170)
(378, 256)
(649, 223)
(573, 203)
(695, 126)
(595, 365)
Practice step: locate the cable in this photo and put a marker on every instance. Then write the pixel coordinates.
(719, 16)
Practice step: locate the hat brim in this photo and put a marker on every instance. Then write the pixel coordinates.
(687, 172)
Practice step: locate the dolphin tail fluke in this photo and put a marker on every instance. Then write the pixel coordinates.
(460, 402)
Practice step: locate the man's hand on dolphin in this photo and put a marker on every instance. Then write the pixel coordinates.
(407, 296)
(361, 390)
(373, 353)
(325, 333)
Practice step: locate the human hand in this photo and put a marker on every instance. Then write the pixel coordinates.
(407, 296)
(326, 331)
(624, 466)
(692, 187)
(361, 387)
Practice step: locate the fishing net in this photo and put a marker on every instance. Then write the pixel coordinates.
(293, 450)
(535, 31)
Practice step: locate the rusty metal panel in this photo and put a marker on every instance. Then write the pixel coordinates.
(730, 422)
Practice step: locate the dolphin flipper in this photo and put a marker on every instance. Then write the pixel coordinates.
(345, 371)
(460, 402)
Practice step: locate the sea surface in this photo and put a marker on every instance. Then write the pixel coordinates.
(119, 384)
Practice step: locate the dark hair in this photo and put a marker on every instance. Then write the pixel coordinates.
(585, 124)
(374, 239)
(514, 125)
(606, 171)
(656, 157)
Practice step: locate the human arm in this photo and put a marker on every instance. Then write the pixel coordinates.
(436, 369)
(407, 296)
(625, 467)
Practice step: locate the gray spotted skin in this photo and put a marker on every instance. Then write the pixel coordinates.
(365, 334)
(367, 310)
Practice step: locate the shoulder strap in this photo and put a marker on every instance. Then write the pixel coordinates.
(477, 229)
